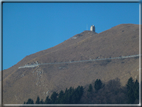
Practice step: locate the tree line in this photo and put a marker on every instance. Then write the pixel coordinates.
(70, 96)
(96, 93)
(111, 92)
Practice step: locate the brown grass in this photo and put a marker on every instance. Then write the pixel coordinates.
(121, 40)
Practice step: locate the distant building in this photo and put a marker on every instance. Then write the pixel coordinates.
(92, 28)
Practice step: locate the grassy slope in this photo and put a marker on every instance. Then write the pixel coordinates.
(118, 41)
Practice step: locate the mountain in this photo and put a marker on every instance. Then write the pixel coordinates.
(42, 80)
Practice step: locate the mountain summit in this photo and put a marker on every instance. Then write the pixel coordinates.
(70, 65)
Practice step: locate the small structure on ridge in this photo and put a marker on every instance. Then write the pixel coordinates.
(92, 28)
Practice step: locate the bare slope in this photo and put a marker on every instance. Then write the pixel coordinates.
(67, 43)
(121, 40)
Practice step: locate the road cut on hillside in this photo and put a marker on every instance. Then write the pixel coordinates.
(99, 59)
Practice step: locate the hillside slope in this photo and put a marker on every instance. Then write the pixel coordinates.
(121, 40)
(66, 43)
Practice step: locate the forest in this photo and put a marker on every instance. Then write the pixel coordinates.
(96, 93)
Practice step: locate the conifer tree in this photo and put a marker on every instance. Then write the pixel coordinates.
(136, 89)
(54, 97)
(47, 100)
(90, 88)
(130, 91)
(30, 101)
(98, 84)
(61, 98)
(38, 100)
(41, 102)
(61, 94)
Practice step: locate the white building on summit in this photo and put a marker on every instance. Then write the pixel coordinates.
(92, 28)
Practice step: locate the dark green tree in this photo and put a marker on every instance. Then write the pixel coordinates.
(98, 84)
(80, 90)
(61, 97)
(90, 88)
(78, 94)
(54, 97)
(38, 100)
(41, 102)
(61, 94)
(47, 100)
(69, 95)
(30, 101)
(130, 90)
(136, 89)
(66, 98)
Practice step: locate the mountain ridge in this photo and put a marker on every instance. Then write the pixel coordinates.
(121, 40)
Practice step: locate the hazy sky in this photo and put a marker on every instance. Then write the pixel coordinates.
(32, 27)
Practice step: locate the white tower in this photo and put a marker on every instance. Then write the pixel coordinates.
(92, 28)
